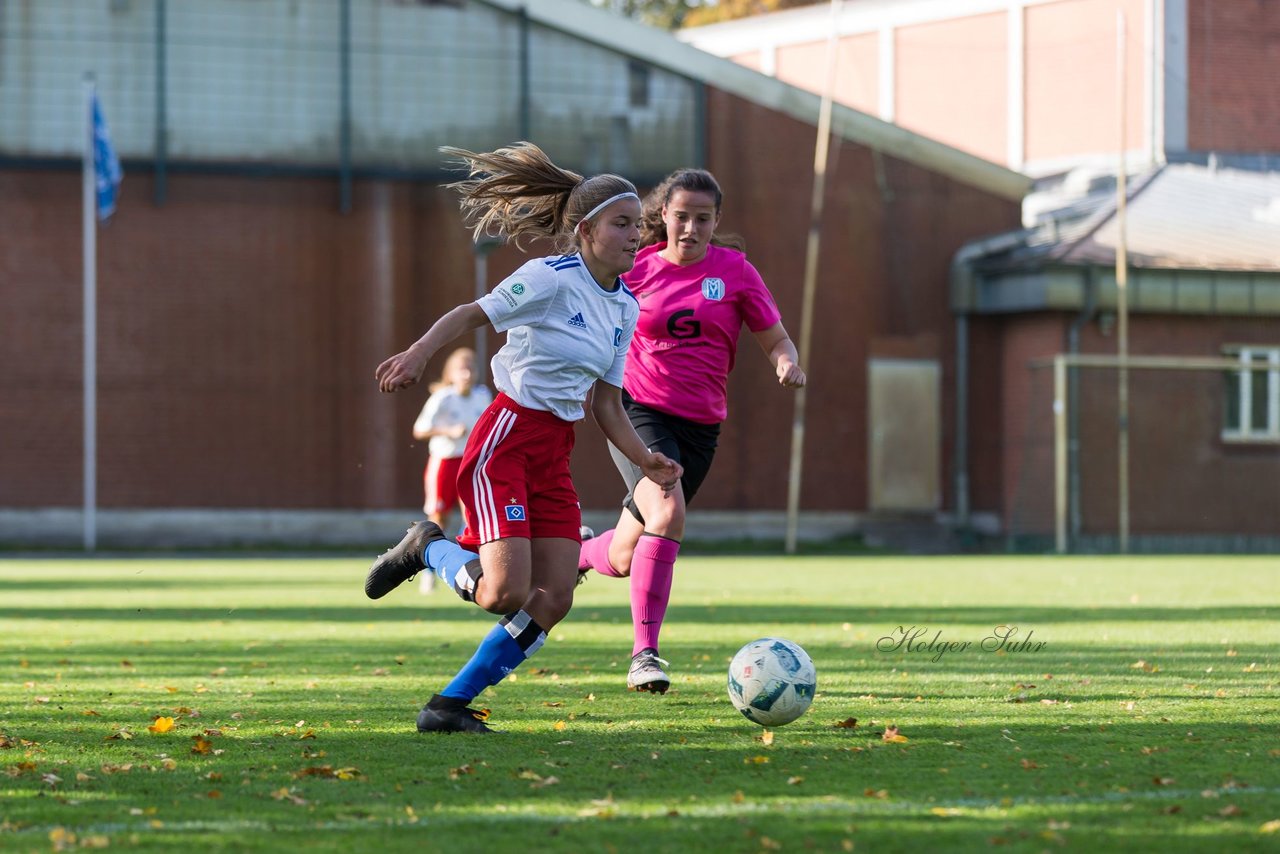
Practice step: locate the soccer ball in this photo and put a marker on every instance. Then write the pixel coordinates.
(771, 681)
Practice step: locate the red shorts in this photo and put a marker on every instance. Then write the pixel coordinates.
(440, 484)
(514, 480)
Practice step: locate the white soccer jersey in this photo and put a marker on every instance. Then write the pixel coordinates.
(564, 332)
(448, 408)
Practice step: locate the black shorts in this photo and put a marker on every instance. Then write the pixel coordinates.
(689, 443)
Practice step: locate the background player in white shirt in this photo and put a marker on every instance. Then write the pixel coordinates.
(453, 408)
(570, 321)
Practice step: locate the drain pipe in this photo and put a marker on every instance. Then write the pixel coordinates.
(964, 299)
(1088, 307)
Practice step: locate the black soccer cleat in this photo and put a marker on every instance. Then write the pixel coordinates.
(401, 562)
(446, 714)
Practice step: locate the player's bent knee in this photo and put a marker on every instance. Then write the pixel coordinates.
(500, 600)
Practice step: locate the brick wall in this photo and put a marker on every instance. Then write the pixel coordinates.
(1233, 76)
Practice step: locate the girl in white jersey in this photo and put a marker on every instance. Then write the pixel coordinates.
(569, 321)
(444, 423)
(697, 295)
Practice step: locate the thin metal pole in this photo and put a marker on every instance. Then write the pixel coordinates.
(1122, 299)
(525, 90)
(821, 148)
(90, 365)
(1060, 454)
(161, 190)
(344, 121)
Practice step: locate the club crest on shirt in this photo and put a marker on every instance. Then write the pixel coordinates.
(713, 288)
(515, 512)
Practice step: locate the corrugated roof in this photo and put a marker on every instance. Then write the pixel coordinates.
(1184, 216)
(1197, 218)
(663, 50)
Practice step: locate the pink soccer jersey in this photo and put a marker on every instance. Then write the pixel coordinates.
(687, 334)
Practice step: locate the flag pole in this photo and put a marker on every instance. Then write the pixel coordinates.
(90, 367)
(821, 147)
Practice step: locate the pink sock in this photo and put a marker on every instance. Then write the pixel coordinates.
(651, 570)
(595, 554)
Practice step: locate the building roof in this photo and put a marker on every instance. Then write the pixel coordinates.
(660, 49)
(1183, 216)
(1199, 240)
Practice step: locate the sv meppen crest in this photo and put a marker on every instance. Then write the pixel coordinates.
(713, 288)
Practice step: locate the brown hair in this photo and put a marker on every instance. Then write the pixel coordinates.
(517, 191)
(456, 356)
(654, 230)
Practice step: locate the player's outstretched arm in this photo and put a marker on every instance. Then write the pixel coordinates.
(606, 406)
(782, 355)
(404, 369)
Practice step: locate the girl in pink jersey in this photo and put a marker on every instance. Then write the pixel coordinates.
(569, 322)
(695, 294)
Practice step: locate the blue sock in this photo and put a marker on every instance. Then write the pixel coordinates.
(448, 561)
(508, 644)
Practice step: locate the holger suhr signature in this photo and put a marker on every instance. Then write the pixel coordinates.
(917, 639)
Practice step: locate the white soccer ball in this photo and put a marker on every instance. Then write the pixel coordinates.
(772, 681)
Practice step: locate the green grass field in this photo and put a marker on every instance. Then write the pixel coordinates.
(1148, 719)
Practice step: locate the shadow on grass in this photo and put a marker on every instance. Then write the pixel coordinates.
(932, 617)
(705, 784)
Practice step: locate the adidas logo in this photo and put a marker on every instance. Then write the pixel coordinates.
(577, 321)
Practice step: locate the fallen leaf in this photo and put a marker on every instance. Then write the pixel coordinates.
(348, 773)
(766, 737)
(1229, 811)
(755, 760)
(892, 735)
(1028, 765)
(122, 734)
(794, 781)
(544, 782)
(560, 726)
(1163, 781)
(91, 713)
(200, 744)
(461, 770)
(881, 794)
(287, 794)
(315, 771)
(1272, 826)
(161, 725)
(847, 723)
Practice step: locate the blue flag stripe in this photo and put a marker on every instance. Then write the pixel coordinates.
(106, 166)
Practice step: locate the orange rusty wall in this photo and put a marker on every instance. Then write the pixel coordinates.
(240, 324)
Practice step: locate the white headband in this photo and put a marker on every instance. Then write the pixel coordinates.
(605, 204)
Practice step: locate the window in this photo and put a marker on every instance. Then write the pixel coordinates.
(1253, 395)
(638, 84)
